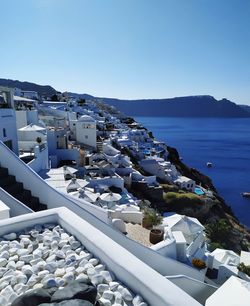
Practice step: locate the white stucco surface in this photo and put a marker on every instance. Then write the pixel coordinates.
(4, 211)
(234, 292)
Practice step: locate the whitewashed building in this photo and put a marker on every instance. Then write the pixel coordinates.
(84, 130)
(8, 130)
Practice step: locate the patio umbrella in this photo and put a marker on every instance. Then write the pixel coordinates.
(86, 195)
(187, 225)
(110, 198)
(75, 184)
(32, 128)
(68, 172)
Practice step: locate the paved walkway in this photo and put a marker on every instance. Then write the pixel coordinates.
(138, 233)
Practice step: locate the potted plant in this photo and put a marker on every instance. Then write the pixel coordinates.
(152, 218)
(199, 263)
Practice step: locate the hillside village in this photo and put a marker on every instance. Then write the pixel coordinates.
(88, 194)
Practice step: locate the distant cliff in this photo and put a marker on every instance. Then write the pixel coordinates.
(44, 90)
(192, 106)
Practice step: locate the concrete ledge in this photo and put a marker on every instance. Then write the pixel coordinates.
(139, 277)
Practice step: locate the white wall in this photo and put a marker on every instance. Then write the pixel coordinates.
(21, 119)
(41, 159)
(167, 248)
(25, 117)
(8, 122)
(4, 211)
(64, 154)
(139, 277)
(86, 133)
(153, 167)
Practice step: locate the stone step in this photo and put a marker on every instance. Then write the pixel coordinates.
(15, 188)
(24, 196)
(3, 172)
(8, 183)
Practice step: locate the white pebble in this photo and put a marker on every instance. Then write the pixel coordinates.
(107, 276)
(105, 302)
(60, 272)
(20, 264)
(94, 261)
(27, 270)
(7, 292)
(68, 277)
(3, 284)
(43, 273)
(137, 300)
(113, 285)
(60, 254)
(100, 268)
(97, 279)
(37, 253)
(118, 297)
(3, 300)
(21, 279)
(33, 280)
(60, 282)
(102, 287)
(108, 294)
(11, 265)
(14, 258)
(5, 254)
(65, 236)
(127, 296)
(22, 252)
(3, 262)
(82, 276)
(38, 285)
(62, 243)
(20, 288)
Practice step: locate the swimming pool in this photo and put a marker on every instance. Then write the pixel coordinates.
(199, 191)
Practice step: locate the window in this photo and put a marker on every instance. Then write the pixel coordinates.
(86, 136)
(187, 185)
(4, 132)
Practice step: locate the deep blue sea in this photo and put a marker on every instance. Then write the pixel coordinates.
(224, 142)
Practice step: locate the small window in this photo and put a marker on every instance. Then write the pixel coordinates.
(86, 136)
(74, 124)
(187, 185)
(4, 132)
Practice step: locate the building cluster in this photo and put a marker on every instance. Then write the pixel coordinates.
(72, 164)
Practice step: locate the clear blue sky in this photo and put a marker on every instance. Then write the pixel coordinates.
(129, 48)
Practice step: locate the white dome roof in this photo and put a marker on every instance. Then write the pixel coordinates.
(86, 118)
